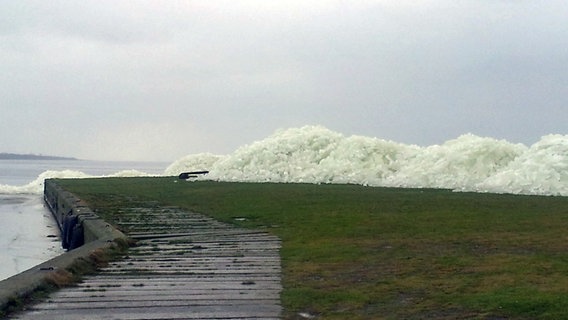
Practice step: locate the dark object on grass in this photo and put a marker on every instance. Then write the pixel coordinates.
(191, 174)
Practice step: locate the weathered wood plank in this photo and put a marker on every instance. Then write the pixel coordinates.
(179, 312)
(145, 303)
(188, 296)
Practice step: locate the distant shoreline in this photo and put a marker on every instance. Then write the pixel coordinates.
(16, 156)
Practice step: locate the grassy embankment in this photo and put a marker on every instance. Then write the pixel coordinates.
(353, 252)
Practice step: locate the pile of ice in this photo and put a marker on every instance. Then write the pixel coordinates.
(36, 186)
(314, 154)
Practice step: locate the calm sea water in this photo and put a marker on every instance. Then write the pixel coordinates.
(28, 232)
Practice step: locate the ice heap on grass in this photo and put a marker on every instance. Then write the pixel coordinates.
(36, 186)
(314, 154)
(461, 163)
(542, 169)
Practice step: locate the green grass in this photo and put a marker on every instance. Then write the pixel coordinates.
(354, 252)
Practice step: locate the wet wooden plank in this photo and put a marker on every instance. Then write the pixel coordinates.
(201, 296)
(171, 301)
(176, 312)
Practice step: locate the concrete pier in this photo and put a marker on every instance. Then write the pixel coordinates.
(184, 266)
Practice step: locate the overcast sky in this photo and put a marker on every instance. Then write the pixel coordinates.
(157, 80)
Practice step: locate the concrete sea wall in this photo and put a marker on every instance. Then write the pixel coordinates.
(77, 222)
(82, 233)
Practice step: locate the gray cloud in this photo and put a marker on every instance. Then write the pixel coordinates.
(156, 80)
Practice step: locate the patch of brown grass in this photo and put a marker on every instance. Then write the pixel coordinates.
(60, 278)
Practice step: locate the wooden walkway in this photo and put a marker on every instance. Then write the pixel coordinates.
(185, 266)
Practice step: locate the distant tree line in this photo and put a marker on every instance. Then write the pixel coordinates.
(16, 156)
